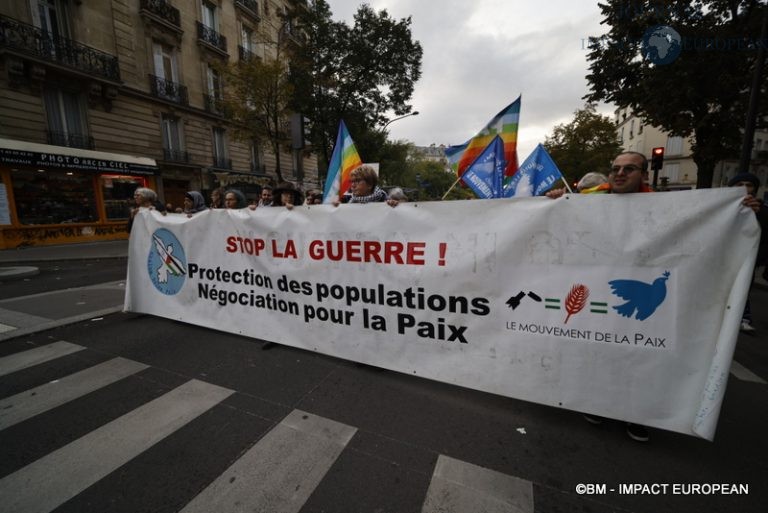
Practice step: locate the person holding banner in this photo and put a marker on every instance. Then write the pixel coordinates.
(752, 184)
(593, 183)
(194, 202)
(629, 174)
(234, 199)
(364, 186)
(287, 195)
(144, 198)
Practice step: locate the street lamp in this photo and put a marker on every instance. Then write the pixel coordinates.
(414, 113)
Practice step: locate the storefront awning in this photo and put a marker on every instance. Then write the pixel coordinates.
(22, 153)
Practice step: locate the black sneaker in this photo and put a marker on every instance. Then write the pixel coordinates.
(593, 419)
(637, 432)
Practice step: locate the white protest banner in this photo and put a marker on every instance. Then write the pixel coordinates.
(625, 306)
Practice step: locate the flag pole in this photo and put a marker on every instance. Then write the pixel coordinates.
(450, 189)
(566, 185)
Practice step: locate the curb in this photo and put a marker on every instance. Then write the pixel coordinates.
(17, 272)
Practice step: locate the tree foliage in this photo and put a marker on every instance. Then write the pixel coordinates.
(257, 100)
(586, 144)
(358, 74)
(704, 92)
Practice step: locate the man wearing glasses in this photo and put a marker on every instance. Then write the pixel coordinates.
(628, 174)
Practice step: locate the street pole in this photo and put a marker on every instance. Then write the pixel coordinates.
(414, 113)
(749, 127)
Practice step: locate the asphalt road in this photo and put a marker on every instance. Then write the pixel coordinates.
(293, 430)
(64, 274)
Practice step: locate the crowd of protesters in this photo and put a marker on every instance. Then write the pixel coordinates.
(628, 174)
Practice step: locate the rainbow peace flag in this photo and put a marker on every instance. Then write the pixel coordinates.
(503, 124)
(343, 161)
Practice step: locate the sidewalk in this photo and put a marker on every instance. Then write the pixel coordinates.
(12, 260)
(83, 251)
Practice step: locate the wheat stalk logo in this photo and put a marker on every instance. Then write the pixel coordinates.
(576, 300)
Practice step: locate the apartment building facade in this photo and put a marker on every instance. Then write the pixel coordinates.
(679, 171)
(99, 98)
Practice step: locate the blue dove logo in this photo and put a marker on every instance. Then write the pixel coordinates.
(642, 298)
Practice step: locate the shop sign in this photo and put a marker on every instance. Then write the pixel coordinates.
(12, 157)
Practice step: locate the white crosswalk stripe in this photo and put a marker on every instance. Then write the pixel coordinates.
(745, 374)
(281, 471)
(458, 486)
(29, 403)
(53, 479)
(38, 355)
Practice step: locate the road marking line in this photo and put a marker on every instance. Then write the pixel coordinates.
(281, 471)
(45, 484)
(27, 404)
(6, 327)
(458, 486)
(745, 374)
(38, 355)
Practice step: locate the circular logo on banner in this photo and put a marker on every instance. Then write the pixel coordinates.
(661, 44)
(166, 263)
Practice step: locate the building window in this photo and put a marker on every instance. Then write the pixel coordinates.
(220, 159)
(621, 135)
(246, 44)
(674, 145)
(672, 171)
(214, 83)
(640, 129)
(165, 82)
(118, 195)
(51, 16)
(166, 66)
(257, 162)
(45, 196)
(173, 149)
(210, 19)
(213, 96)
(631, 129)
(66, 119)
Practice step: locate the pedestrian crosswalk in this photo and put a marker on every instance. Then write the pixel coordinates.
(277, 472)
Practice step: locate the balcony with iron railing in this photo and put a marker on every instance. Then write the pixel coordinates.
(168, 90)
(69, 139)
(162, 11)
(175, 155)
(246, 55)
(41, 45)
(250, 7)
(210, 37)
(213, 104)
(222, 163)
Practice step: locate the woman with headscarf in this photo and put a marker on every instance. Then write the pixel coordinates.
(194, 202)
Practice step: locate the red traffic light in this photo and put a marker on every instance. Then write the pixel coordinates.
(657, 158)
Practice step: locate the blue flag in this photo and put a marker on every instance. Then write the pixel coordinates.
(535, 176)
(485, 174)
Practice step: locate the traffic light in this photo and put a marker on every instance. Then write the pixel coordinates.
(657, 158)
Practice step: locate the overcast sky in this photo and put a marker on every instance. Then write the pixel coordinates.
(480, 55)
